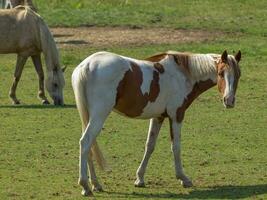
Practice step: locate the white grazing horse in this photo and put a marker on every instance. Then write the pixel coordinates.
(162, 86)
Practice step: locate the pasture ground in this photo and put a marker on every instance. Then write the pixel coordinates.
(224, 151)
(103, 37)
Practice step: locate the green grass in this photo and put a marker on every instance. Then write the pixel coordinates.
(224, 151)
(231, 16)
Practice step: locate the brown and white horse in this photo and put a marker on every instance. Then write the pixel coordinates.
(22, 31)
(162, 86)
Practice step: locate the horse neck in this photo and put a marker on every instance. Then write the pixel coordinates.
(203, 72)
(52, 58)
(49, 48)
(202, 67)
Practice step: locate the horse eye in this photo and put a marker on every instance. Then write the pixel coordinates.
(55, 85)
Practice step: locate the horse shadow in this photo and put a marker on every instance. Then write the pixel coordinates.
(73, 42)
(217, 192)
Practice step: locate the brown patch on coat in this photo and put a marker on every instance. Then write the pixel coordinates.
(130, 99)
(221, 85)
(157, 57)
(159, 67)
(182, 60)
(154, 88)
(221, 67)
(198, 88)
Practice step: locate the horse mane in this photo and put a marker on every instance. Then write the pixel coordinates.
(201, 65)
(48, 46)
(194, 65)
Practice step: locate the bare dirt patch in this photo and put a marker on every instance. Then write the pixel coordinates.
(122, 36)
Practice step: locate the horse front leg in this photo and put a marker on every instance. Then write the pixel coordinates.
(154, 127)
(39, 69)
(175, 129)
(17, 74)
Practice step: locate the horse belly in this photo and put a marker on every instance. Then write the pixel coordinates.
(151, 110)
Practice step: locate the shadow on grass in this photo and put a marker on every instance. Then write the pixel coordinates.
(74, 42)
(218, 192)
(38, 106)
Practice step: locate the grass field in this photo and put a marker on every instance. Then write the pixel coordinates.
(224, 151)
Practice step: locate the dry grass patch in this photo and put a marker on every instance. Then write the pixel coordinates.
(124, 36)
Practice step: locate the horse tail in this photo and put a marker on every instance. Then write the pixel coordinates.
(98, 155)
(81, 103)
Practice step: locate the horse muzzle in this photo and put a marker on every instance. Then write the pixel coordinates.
(58, 101)
(229, 102)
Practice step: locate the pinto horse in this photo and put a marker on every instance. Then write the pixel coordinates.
(23, 32)
(159, 87)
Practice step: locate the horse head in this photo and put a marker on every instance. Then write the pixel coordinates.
(55, 84)
(228, 74)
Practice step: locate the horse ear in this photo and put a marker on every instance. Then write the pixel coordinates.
(64, 68)
(224, 56)
(238, 56)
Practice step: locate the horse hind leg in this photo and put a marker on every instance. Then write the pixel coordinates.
(92, 175)
(84, 114)
(98, 116)
(39, 69)
(86, 141)
(17, 74)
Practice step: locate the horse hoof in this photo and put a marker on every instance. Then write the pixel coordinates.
(87, 193)
(139, 183)
(45, 102)
(187, 183)
(97, 188)
(16, 102)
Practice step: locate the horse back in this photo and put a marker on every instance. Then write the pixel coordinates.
(19, 30)
(134, 85)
